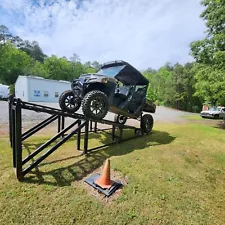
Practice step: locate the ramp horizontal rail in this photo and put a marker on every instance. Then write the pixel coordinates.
(54, 111)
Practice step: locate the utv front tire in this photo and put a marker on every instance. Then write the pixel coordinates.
(68, 102)
(147, 123)
(95, 105)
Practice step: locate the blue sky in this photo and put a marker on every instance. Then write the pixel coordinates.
(146, 33)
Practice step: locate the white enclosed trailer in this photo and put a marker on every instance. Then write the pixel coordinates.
(4, 91)
(38, 89)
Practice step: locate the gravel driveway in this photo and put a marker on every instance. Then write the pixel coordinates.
(163, 114)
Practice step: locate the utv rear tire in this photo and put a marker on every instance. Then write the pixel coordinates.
(120, 119)
(95, 105)
(68, 103)
(147, 123)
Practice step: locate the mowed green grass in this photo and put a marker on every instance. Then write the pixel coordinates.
(176, 175)
(198, 117)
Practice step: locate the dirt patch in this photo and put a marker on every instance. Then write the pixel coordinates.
(115, 175)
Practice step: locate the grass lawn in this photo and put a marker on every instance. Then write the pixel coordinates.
(198, 117)
(176, 175)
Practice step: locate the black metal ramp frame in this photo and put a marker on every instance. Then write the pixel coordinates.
(80, 121)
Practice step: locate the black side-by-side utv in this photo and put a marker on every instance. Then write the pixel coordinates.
(117, 87)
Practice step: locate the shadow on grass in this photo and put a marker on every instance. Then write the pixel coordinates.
(220, 125)
(64, 176)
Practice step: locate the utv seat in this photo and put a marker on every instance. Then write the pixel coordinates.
(122, 92)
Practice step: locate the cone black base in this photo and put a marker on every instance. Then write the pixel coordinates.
(107, 192)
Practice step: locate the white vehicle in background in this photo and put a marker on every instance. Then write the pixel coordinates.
(215, 113)
(4, 92)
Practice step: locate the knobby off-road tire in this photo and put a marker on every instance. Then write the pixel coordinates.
(95, 105)
(147, 123)
(120, 119)
(68, 103)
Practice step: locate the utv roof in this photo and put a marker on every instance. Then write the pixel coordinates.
(128, 75)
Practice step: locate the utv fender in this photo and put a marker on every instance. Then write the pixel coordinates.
(96, 86)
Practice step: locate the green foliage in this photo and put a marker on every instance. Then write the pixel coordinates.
(173, 86)
(210, 85)
(210, 54)
(12, 63)
(58, 68)
(38, 69)
(12, 89)
(24, 57)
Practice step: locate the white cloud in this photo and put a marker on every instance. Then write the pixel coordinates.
(146, 33)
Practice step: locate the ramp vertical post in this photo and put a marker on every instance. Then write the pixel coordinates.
(86, 137)
(91, 127)
(95, 127)
(113, 133)
(121, 134)
(10, 118)
(78, 135)
(18, 140)
(63, 124)
(13, 135)
(59, 124)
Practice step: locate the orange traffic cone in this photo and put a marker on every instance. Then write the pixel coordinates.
(104, 180)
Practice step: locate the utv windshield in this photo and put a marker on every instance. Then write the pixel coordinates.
(123, 72)
(111, 71)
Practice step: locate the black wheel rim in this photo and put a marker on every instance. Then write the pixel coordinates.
(97, 106)
(121, 119)
(148, 125)
(70, 102)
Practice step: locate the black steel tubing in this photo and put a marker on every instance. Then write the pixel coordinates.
(86, 137)
(78, 135)
(46, 109)
(91, 127)
(63, 125)
(113, 133)
(112, 143)
(121, 134)
(13, 119)
(50, 151)
(38, 127)
(59, 124)
(10, 118)
(18, 141)
(95, 129)
(38, 150)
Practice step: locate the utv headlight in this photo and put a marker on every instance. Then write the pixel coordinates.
(105, 80)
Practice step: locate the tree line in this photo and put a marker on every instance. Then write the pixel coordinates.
(184, 87)
(22, 57)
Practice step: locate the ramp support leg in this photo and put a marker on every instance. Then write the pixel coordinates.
(18, 140)
(10, 118)
(86, 137)
(95, 127)
(59, 124)
(113, 133)
(121, 134)
(13, 135)
(63, 125)
(78, 135)
(91, 125)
